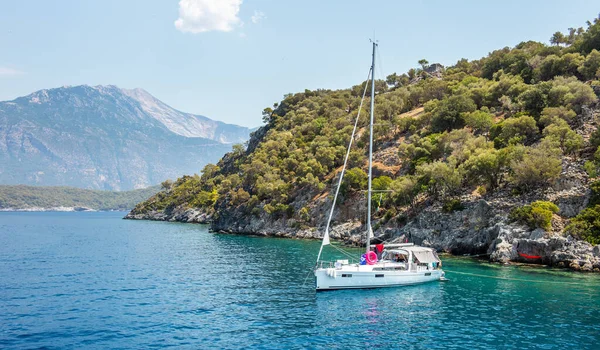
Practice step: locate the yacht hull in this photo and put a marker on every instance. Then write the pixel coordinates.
(364, 278)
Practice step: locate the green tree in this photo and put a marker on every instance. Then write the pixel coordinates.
(539, 165)
(485, 168)
(440, 179)
(479, 121)
(355, 179)
(267, 114)
(550, 114)
(571, 93)
(519, 130)
(568, 140)
(404, 190)
(448, 114)
(557, 38)
(591, 66)
(533, 100)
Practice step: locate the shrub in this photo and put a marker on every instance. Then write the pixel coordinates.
(355, 179)
(539, 165)
(304, 214)
(481, 190)
(439, 178)
(519, 130)
(533, 100)
(570, 92)
(592, 167)
(404, 189)
(485, 167)
(205, 199)
(568, 140)
(586, 225)
(447, 115)
(452, 205)
(536, 215)
(550, 114)
(390, 213)
(595, 195)
(380, 184)
(595, 138)
(479, 121)
(591, 66)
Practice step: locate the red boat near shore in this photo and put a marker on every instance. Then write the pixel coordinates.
(527, 256)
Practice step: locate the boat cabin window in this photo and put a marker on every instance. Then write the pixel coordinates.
(394, 256)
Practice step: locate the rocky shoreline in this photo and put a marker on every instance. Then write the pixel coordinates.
(481, 228)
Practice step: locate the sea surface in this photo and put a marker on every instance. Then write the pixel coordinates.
(93, 280)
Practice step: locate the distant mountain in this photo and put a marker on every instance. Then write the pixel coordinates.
(104, 137)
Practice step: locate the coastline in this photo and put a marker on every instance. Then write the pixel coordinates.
(58, 210)
(477, 231)
(54, 209)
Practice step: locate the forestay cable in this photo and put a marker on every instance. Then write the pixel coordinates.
(337, 191)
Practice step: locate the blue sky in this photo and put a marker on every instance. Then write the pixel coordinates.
(241, 56)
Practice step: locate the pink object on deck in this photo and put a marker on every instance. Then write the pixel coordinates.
(371, 258)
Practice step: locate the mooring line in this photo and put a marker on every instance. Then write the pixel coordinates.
(508, 278)
(306, 279)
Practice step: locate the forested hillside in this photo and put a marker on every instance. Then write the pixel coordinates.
(21, 197)
(516, 125)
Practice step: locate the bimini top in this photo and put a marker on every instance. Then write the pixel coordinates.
(423, 254)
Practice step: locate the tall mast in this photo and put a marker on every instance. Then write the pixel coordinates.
(369, 229)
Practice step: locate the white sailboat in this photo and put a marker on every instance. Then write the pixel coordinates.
(393, 264)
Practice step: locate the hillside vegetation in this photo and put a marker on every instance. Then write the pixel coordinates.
(507, 122)
(24, 197)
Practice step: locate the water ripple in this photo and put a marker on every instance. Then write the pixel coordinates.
(75, 280)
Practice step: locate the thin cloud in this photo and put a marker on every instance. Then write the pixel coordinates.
(200, 16)
(258, 16)
(7, 72)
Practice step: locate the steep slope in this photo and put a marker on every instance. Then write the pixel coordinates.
(185, 124)
(498, 156)
(94, 137)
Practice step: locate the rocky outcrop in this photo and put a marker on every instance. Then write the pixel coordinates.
(179, 214)
(469, 231)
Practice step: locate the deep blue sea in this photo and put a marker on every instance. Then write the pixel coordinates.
(93, 280)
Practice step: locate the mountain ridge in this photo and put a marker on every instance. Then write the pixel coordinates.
(181, 123)
(102, 138)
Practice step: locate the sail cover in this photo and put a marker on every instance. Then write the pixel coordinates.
(325, 237)
(426, 256)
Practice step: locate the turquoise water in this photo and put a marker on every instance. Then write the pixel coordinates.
(92, 280)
